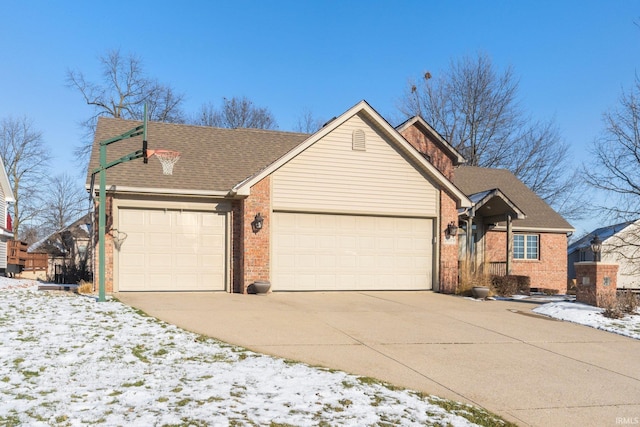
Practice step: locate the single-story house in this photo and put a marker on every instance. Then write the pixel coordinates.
(358, 205)
(6, 231)
(352, 206)
(620, 245)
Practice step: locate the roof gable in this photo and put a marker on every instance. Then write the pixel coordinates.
(493, 205)
(434, 136)
(539, 215)
(383, 126)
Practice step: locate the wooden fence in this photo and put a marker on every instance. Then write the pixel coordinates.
(17, 255)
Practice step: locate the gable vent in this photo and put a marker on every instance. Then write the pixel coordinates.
(358, 141)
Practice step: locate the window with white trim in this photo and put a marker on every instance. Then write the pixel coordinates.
(526, 246)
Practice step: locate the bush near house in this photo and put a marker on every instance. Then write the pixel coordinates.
(510, 285)
(625, 302)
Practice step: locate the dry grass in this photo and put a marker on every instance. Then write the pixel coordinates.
(85, 287)
(472, 275)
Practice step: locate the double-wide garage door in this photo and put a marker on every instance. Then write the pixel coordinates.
(171, 250)
(349, 252)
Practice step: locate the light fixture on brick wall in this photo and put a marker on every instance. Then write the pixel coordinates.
(257, 223)
(452, 229)
(596, 247)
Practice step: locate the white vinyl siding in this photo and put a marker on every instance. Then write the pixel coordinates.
(171, 250)
(348, 252)
(330, 176)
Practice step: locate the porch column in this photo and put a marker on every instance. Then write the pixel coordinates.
(509, 245)
(469, 237)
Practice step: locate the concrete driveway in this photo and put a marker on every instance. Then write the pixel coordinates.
(500, 355)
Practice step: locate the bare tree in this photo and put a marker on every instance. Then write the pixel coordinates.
(121, 92)
(307, 123)
(236, 113)
(66, 200)
(26, 160)
(475, 108)
(615, 168)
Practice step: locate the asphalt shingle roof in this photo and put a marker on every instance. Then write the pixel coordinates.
(472, 180)
(212, 159)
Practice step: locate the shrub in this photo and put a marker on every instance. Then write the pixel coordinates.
(85, 287)
(510, 285)
(549, 291)
(625, 302)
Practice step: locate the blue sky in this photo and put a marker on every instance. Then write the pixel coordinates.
(573, 58)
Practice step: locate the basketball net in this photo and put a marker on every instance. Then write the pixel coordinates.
(167, 158)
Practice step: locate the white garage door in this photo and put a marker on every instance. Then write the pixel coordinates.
(171, 250)
(344, 252)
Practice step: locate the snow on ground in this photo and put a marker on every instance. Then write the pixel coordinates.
(66, 359)
(591, 316)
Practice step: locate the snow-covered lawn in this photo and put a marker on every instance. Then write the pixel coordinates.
(68, 360)
(591, 316)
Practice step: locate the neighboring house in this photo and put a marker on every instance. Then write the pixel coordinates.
(6, 232)
(69, 247)
(358, 205)
(620, 244)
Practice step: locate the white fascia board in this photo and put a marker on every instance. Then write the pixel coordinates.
(244, 187)
(5, 235)
(537, 229)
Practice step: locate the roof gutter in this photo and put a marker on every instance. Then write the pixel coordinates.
(168, 191)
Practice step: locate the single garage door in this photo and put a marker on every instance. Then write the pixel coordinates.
(347, 252)
(171, 250)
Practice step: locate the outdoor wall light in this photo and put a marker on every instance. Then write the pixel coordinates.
(452, 229)
(596, 247)
(257, 223)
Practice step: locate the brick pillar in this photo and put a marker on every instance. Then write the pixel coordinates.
(596, 283)
(256, 244)
(448, 274)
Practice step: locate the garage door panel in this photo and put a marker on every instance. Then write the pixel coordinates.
(158, 218)
(171, 250)
(135, 239)
(351, 252)
(158, 238)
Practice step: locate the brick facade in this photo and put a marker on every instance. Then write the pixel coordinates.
(549, 271)
(251, 249)
(448, 277)
(429, 147)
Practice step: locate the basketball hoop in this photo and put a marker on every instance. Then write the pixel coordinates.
(167, 158)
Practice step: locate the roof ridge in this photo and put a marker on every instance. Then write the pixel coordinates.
(193, 125)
